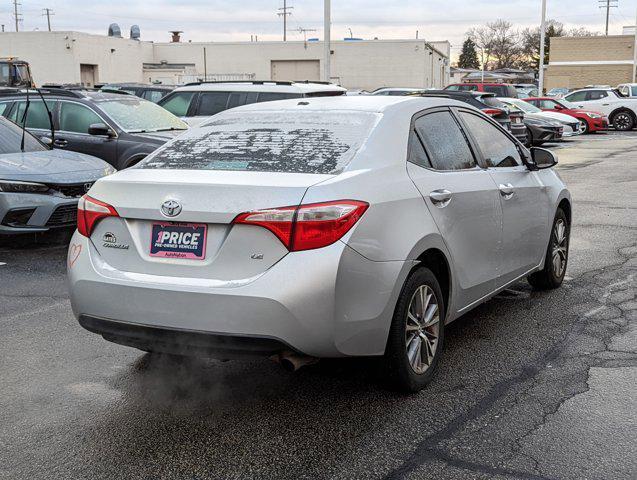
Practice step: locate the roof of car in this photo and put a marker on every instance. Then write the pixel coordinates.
(91, 95)
(260, 86)
(361, 103)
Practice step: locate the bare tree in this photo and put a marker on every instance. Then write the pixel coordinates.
(500, 42)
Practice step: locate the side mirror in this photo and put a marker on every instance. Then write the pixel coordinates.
(542, 158)
(47, 141)
(559, 107)
(100, 129)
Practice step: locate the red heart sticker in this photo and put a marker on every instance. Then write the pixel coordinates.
(74, 253)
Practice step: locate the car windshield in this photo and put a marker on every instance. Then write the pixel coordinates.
(269, 141)
(566, 104)
(11, 137)
(135, 115)
(525, 106)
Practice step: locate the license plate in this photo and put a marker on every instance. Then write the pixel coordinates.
(517, 120)
(178, 240)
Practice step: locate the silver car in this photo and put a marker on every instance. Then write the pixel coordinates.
(40, 188)
(327, 227)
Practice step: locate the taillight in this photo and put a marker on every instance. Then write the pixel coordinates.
(307, 227)
(494, 112)
(89, 212)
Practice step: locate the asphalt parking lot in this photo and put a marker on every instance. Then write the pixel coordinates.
(532, 385)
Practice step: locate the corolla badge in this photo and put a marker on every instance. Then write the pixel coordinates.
(171, 208)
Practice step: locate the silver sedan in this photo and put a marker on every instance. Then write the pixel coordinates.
(328, 227)
(40, 188)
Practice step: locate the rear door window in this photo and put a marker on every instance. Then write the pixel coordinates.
(37, 116)
(3, 108)
(577, 97)
(211, 103)
(444, 141)
(153, 95)
(178, 103)
(237, 99)
(273, 96)
(269, 141)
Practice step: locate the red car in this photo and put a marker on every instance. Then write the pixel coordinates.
(589, 121)
(500, 89)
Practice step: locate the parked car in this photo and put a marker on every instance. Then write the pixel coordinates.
(621, 111)
(557, 92)
(195, 102)
(526, 90)
(152, 93)
(396, 91)
(628, 90)
(490, 105)
(40, 188)
(357, 226)
(498, 89)
(571, 124)
(589, 121)
(121, 129)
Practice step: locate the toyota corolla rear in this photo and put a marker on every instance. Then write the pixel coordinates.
(209, 246)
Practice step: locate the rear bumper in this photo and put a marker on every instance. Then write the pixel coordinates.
(179, 342)
(330, 302)
(519, 131)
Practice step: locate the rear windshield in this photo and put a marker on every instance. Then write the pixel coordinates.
(492, 102)
(295, 142)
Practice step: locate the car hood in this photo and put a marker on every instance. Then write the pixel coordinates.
(158, 138)
(52, 166)
(561, 117)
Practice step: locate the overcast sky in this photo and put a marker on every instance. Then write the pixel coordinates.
(225, 20)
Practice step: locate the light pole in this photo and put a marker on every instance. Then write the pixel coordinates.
(542, 42)
(326, 40)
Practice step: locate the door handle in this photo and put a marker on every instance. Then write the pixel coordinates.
(60, 143)
(440, 198)
(506, 190)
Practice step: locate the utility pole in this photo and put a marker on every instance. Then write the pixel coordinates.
(635, 54)
(48, 12)
(542, 49)
(284, 13)
(327, 24)
(16, 15)
(608, 4)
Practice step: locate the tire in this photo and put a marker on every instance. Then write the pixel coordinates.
(623, 121)
(551, 276)
(584, 127)
(408, 326)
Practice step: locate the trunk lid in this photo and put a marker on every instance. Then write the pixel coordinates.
(207, 197)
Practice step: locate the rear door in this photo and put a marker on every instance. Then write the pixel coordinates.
(521, 195)
(461, 197)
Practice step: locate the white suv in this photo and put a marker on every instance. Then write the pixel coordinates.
(194, 102)
(620, 110)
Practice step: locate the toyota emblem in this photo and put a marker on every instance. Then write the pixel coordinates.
(171, 208)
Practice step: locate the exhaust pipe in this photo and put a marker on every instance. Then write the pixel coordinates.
(292, 361)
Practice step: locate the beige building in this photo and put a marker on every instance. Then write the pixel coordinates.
(74, 57)
(576, 62)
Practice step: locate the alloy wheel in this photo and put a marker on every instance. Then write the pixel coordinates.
(422, 329)
(583, 126)
(622, 121)
(560, 248)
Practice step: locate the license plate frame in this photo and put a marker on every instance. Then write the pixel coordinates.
(171, 240)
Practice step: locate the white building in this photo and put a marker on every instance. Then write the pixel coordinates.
(74, 57)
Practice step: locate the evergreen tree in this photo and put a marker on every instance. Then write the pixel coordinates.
(469, 55)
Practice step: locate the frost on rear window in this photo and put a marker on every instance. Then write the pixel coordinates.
(296, 142)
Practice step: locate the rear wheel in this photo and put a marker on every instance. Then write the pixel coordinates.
(584, 128)
(556, 260)
(623, 121)
(416, 336)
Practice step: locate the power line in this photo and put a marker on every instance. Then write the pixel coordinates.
(608, 4)
(48, 12)
(284, 13)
